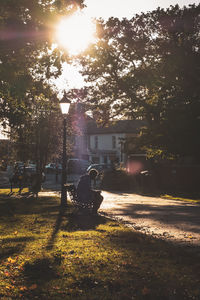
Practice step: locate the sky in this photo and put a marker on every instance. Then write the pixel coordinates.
(127, 8)
(116, 8)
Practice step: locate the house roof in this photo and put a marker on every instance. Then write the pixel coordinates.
(121, 126)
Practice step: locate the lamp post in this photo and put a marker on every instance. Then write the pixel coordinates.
(64, 105)
(122, 142)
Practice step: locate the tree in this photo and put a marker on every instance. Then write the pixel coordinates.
(27, 63)
(148, 68)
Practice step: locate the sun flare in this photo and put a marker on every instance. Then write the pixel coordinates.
(75, 33)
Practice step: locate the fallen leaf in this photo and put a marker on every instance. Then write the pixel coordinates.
(33, 287)
(23, 288)
(11, 260)
(9, 287)
(145, 291)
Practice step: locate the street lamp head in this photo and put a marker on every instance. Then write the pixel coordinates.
(64, 104)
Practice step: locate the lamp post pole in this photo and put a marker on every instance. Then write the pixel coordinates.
(121, 141)
(64, 173)
(64, 105)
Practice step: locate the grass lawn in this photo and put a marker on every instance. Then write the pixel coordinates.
(48, 255)
(193, 198)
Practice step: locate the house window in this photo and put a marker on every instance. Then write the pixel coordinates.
(113, 142)
(96, 142)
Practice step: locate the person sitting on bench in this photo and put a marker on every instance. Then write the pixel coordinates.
(86, 194)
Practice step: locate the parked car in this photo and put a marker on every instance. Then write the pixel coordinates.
(100, 168)
(51, 168)
(29, 171)
(77, 166)
(19, 164)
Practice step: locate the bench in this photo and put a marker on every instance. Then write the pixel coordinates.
(83, 206)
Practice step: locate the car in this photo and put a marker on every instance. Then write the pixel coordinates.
(100, 168)
(30, 170)
(51, 167)
(19, 164)
(77, 165)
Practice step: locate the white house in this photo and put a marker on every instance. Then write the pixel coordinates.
(106, 144)
(3, 135)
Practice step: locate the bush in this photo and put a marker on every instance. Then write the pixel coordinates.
(116, 180)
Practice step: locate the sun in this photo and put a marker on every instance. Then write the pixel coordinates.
(75, 33)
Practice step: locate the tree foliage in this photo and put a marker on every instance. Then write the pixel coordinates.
(27, 63)
(149, 68)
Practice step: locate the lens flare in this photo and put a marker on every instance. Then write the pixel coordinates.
(134, 167)
(75, 33)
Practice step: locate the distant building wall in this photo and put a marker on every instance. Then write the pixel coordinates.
(3, 136)
(105, 141)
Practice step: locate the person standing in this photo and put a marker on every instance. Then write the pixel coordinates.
(35, 184)
(10, 174)
(56, 173)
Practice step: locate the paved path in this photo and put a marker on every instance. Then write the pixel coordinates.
(167, 219)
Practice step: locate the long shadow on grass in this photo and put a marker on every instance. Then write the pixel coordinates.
(72, 221)
(168, 271)
(14, 209)
(13, 246)
(56, 228)
(156, 248)
(40, 271)
(23, 205)
(83, 222)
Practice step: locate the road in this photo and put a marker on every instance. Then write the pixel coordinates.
(174, 220)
